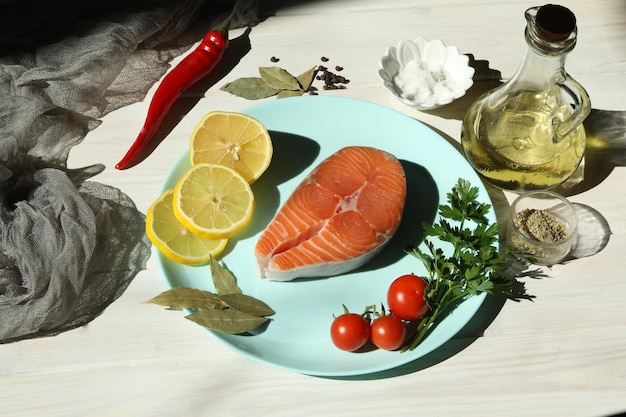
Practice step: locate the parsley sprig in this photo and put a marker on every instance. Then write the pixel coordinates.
(475, 263)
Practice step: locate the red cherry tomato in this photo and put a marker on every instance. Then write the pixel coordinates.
(388, 332)
(350, 331)
(405, 297)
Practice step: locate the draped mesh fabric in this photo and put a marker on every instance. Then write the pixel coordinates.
(70, 246)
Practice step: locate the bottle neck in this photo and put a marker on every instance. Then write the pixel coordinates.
(544, 59)
(546, 54)
(538, 69)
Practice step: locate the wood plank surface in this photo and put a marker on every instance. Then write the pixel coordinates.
(564, 354)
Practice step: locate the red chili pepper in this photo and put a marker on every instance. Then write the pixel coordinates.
(191, 69)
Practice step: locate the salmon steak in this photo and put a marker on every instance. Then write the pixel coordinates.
(337, 219)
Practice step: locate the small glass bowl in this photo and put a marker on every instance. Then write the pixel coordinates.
(544, 225)
(425, 74)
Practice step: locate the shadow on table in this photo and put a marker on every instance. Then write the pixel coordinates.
(466, 336)
(606, 148)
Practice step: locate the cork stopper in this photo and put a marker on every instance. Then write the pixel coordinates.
(555, 23)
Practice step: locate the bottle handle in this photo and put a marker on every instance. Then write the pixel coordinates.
(581, 104)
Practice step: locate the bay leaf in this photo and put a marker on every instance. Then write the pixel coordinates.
(227, 321)
(223, 281)
(306, 78)
(247, 304)
(279, 78)
(192, 298)
(289, 93)
(251, 88)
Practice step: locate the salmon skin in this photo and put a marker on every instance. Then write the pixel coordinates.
(337, 219)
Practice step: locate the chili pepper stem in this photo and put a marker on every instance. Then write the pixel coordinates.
(225, 27)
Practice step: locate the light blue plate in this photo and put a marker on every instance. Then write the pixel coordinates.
(305, 130)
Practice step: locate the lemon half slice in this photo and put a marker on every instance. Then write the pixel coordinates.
(174, 240)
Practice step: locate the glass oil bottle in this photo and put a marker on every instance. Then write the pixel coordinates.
(527, 134)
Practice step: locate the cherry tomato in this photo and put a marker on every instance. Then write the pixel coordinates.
(405, 297)
(350, 331)
(388, 332)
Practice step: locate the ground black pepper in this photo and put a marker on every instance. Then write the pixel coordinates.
(541, 234)
(540, 225)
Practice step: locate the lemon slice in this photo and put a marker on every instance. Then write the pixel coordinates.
(174, 240)
(232, 139)
(213, 201)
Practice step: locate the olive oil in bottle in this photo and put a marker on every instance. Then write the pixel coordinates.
(527, 134)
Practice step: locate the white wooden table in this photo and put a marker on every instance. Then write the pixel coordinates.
(562, 355)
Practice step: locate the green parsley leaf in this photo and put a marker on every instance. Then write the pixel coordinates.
(473, 264)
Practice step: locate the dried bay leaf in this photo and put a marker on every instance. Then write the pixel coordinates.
(251, 88)
(229, 311)
(227, 321)
(279, 78)
(192, 298)
(247, 304)
(223, 280)
(306, 78)
(289, 93)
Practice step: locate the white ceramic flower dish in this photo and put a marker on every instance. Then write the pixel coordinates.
(425, 74)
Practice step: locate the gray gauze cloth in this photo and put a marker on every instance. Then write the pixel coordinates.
(70, 246)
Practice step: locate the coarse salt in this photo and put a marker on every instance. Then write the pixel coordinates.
(417, 82)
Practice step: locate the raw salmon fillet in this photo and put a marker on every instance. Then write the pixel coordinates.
(337, 219)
